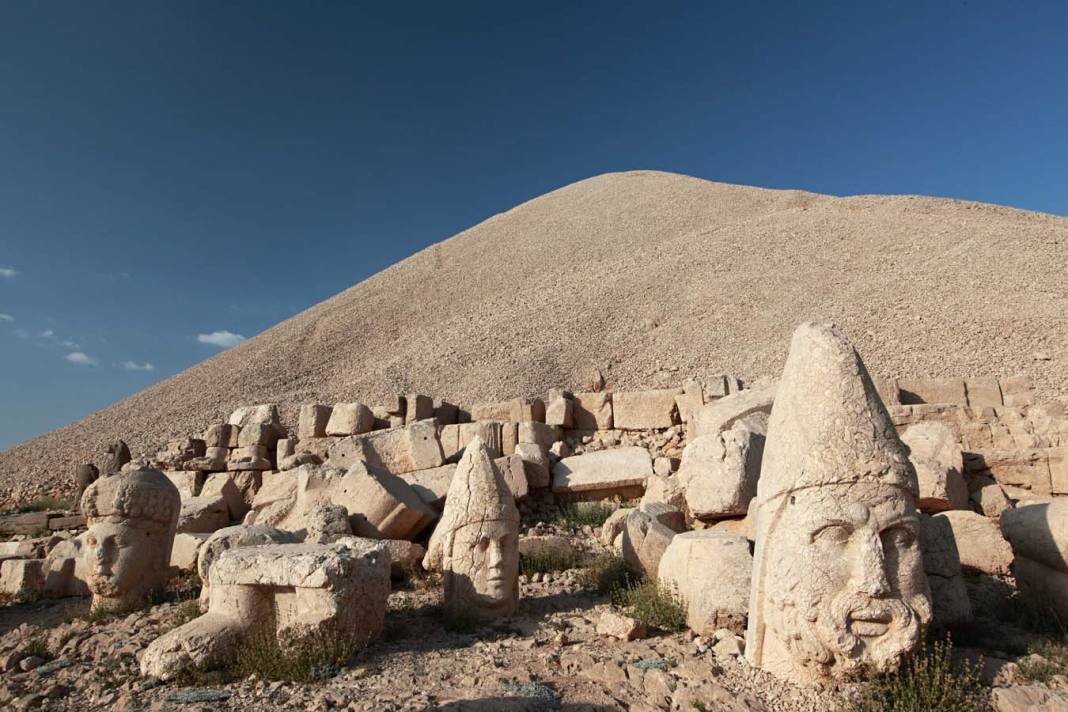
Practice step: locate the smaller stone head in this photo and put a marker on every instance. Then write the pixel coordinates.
(479, 538)
(132, 518)
(117, 454)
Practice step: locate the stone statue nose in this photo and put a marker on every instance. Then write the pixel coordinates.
(495, 555)
(869, 574)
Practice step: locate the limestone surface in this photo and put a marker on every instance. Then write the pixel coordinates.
(935, 454)
(619, 469)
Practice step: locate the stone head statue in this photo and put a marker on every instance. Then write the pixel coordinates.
(131, 518)
(116, 455)
(838, 578)
(477, 538)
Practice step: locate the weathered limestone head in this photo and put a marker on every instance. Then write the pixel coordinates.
(479, 538)
(131, 518)
(838, 578)
(116, 455)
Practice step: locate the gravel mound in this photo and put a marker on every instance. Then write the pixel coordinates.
(651, 278)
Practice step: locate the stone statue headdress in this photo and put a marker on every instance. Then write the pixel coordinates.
(477, 493)
(142, 495)
(828, 426)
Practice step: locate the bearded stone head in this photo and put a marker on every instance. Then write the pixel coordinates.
(838, 580)
(845, 581)
(131, 521)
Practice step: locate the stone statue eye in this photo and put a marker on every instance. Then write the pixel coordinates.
(832, 534)
(898, 536)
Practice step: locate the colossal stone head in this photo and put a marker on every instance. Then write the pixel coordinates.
(131, 518)
(478, 538)
(838, 579)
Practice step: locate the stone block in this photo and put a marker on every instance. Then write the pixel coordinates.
(417, 407)
(715, 387)
(491, 432)
(613, 526)
(558, 411)
(27, 523)
(203, 515)
(187, 482)
(350, 419)
(668, 515)
(264, 434)
(1017, 391)
(405, 557)
(249, 457)
(1058, 469)
(535, 464)
(22, 578)
(509, 437)
(449, 437)
(645, 410)
(720, 471)
(722, 413)
(185, 549)
(620, 470)
(979, 542)
(515, 476)
(399, 450)
(941, 563)
(939, 466)
(591, 411)
(446, 413)
(1044, 587)
(1039, 532)
(290, 592)
(313, 420)
(539, 434)
(286, 447)
(687, 405)
(432, 484)
(711, 571)
(983, 392)
(264, 414)
(991, 500)
(221, 435)
(76, 521)
(1025, 469)
(221, 484)
(390, 507)
(932, 390)
(644, 542)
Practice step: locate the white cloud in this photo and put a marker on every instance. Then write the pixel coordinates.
(70, 345)
(81, 359)
(222, 339)
(6, 317)
(8, 271)
(46, 334)
(134, 366)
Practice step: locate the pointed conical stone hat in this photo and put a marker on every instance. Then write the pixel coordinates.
(477, 493)
(828, 426)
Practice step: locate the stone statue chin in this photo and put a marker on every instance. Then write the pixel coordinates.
(850, 589)
(131, 517)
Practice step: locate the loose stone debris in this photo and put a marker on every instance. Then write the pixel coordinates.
(418, 554)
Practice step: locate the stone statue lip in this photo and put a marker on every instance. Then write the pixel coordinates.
(871, 622)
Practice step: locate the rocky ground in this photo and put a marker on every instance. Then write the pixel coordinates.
(547, 656)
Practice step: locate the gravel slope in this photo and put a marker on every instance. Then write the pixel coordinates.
(651, 277)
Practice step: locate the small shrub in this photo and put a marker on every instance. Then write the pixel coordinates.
(37, 646)
(548, 560)
(1052, 660)
(45, 504)
(580, 514)
(543, 696)
(317, 656)
(186, 611)
(654, 604)
(930, 680)
(605, 573)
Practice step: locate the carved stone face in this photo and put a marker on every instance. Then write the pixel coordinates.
(124, 560)
(845, 577)
(484, 565)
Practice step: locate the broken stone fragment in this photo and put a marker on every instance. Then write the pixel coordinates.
(720, 472)
(644, 542)
(535, 464)
(722, 413)
(203, 514)
(939, 465)
(615, 625)
(350, 419)
(979, 542)
(418, 407)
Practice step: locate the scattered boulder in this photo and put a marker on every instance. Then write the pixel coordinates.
(979, 542)
(615, 625)
(941, 563)
(350, 419)
(711, 571)
(645, 410)
(203, 514)
(939, 465)
(720, 472)
(722, 413)
(644, 542)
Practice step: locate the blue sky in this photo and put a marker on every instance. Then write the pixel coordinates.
(174, 171)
